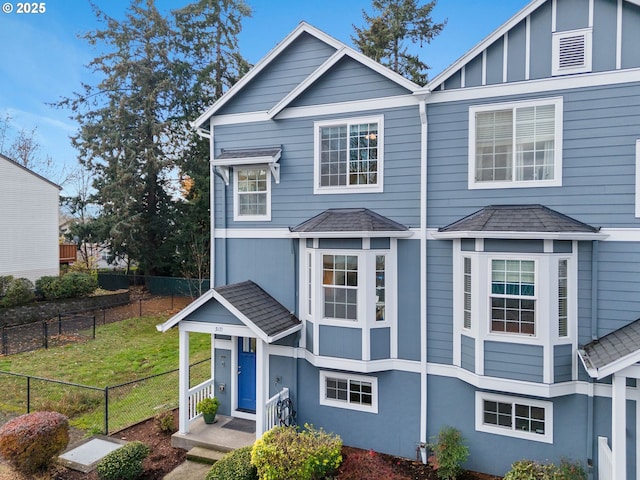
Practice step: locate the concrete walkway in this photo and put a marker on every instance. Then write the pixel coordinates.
(189, 471)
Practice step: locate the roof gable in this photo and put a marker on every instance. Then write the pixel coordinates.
(529, 45)
(309, 77)
(27, 170)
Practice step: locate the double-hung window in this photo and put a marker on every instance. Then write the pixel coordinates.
(513, 300)
(516, 145)
(252, 189)
(340, 286)
(348, 155)
(514, 417)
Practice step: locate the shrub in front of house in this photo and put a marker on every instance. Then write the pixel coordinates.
(286, 452)
(70, 285)
(531, 470)
(30, 442)
(124, 463)
(234, 466)
(450, 453)
(5, 280)
(17, 292)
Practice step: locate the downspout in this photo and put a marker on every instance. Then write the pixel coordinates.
(295, 248)
(423, 274)
(594, 336)
(212, 227)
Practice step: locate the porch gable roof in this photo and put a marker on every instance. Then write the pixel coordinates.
(249, 303)
(613, 352)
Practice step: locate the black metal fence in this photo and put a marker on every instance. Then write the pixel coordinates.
(76, 326)
(96, 409)
(189, 287)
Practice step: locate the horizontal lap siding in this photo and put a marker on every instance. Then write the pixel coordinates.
(600, 128)
(439, 302)
(562, 363)
(380, 343)
(281, 76)
(618, 285)
(293, 201)
(468, 353)
(395, 429)
(452, 403)
(408, 299)
(341, 342)
(29, 222)
(348, 81)
(514, 361)
(630, 35)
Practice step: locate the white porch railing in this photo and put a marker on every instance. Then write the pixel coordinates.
(272, 412)
(605, 465)
(197, 393)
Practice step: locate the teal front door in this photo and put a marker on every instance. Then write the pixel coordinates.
(247, 374)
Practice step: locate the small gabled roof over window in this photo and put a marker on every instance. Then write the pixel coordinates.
(519, 221)
(249, 303)
(268, 156)
(613, 352)
(350, 222)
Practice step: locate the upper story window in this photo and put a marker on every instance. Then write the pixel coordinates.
(252, 192)
(348, 155)
(516, 145)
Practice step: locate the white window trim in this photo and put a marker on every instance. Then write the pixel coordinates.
(557, 160)
(546, 306)
(512, 432)
(330, 402)
(236, 203)
(638, 178)
(586, 67)
(317, 189)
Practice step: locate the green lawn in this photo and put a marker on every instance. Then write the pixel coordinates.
(122, 352)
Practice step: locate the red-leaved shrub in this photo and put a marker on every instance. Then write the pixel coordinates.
(31, 441)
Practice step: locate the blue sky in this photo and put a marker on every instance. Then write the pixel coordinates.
(43, 60)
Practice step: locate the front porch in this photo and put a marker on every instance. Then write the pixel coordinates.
(216, 436)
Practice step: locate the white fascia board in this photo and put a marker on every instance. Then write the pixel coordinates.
(303, 27)
(583, 80)
(520, 235)
(471, 54)
(610, 368)
(189, 309)
(285, 333)
(230, 162)
(355, 234)
(240, 316)
(331, 61)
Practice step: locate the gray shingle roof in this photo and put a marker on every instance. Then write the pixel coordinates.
(518, 218)
(262, 309)
(612, 347)
(349, 220)
(249, 153)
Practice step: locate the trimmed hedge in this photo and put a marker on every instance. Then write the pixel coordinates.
(234, 466)
(30, 442)
(70, 285)
(17, 292)
(285, 452)
(124, 463)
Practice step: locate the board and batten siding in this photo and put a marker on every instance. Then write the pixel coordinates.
(28, 223)
(281, 76)
(570, 15)
(293, 200)
(600, 129)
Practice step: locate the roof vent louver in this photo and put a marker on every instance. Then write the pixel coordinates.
(572, 52)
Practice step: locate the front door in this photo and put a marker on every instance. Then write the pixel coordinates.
(247, 374)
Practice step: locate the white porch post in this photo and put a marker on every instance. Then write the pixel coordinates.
(619, 426)
(183, 382)
(261, 386)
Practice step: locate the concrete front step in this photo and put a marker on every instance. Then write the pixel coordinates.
(204, 455)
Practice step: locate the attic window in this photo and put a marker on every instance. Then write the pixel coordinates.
(572, 52)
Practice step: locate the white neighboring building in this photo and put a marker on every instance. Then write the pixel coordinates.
(28, 222)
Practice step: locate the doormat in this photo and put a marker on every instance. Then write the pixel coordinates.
(241, 425)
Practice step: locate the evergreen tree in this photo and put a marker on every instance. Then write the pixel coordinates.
(385, 36)
(134, 135)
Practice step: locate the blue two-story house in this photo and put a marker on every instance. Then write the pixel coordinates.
(396, 258)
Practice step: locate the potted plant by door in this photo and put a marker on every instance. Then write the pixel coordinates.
(208, 407)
